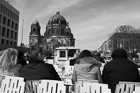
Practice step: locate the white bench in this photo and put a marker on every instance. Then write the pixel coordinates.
(11, 84)
(126, 87)
(92, 88)
(51, 86)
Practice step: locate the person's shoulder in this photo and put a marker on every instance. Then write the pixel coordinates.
(108, 64)
(15, 70)
(133, 63)
(47, 64)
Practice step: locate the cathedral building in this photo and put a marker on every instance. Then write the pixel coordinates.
(58, 33)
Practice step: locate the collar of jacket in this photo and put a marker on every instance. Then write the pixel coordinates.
(89, 60)
(37, 61)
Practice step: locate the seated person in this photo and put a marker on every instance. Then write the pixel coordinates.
(37, 69)
(87, 68)
(8, 60)
(120, 69)
(21, 59)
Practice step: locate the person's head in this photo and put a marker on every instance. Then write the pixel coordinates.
(85, 53)
(8, 59)
(37, 54)
(26, 56)
(119, 53)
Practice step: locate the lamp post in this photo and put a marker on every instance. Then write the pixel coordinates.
(22, 33)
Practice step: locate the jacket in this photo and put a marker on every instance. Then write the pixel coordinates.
(88, 68)
(120, 69)
(37, 70)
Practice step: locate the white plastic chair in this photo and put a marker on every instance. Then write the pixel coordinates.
(137, 89)
(1, 79)
(12, 84)
(32, 86)
(93, 88)
(127, 87)
(80, 82)
(52, 86)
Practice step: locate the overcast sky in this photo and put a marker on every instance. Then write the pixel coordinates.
(91, 21)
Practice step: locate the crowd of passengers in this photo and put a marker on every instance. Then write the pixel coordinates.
(86, 66)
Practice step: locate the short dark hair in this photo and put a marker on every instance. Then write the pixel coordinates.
(119, 53)
(34, 53)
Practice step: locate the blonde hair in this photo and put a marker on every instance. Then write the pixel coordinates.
(8, 59)
(1, 52)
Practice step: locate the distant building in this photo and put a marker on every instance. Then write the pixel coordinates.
(58, 33)
(130, 41)
(9, 22)
(105, 47)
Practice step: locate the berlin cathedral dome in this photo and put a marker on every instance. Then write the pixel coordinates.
(57, 33)
(35, 22)
(57, 19)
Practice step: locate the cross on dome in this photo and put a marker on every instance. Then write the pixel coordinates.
(58, 12)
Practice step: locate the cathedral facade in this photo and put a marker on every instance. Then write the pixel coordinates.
(58, 33)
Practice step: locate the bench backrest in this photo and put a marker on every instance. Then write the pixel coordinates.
(127, 87)
(93, 88)
(80, 82)
(12, 84)
(1, 79)
(137, 89)
(52, 86)
(32, 86)
(83, 85)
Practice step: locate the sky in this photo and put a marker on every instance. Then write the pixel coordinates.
(91, 21)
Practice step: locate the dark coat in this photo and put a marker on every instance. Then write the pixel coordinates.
(120, 69)
(22, 62)
(37, 70)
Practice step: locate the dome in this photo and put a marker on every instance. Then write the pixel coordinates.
(35, 22)
(57, 18)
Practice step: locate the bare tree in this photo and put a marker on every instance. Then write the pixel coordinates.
(125, 29)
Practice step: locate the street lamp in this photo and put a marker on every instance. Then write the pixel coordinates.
(22, 33)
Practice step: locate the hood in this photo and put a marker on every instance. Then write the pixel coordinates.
(89, 60)
(87, 64)
(119, 53)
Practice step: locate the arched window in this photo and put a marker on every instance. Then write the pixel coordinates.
(34, 29)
